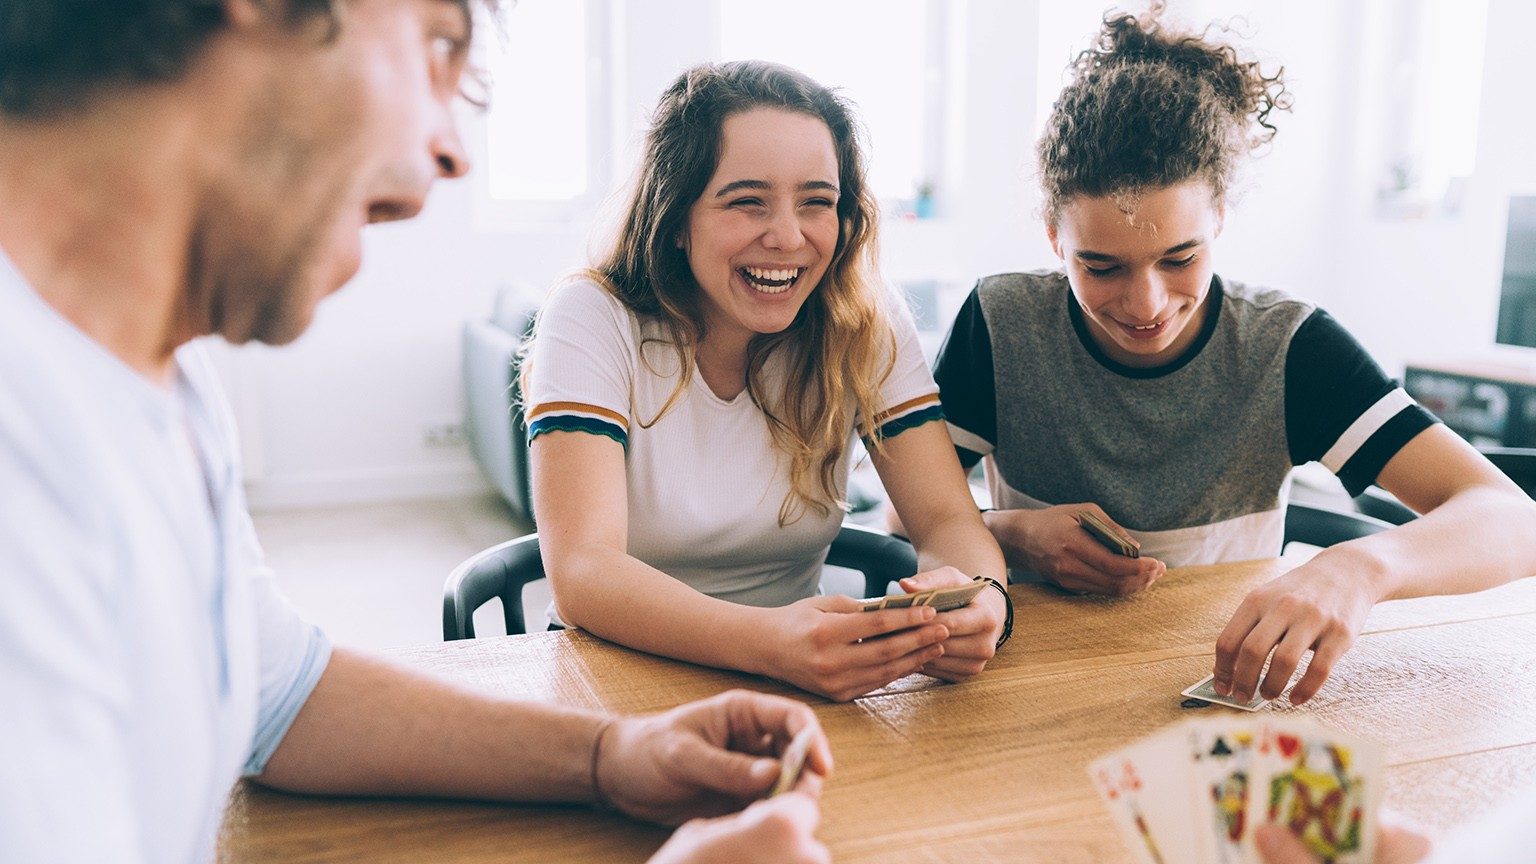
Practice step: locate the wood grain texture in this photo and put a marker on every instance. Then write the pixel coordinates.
(990, 770)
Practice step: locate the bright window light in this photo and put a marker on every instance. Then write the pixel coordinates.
(538, 123)
(876, 52)
(1431, 89)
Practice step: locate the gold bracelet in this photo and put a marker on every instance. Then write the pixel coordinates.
(600, 799)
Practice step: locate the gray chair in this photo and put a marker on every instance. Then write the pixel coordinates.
(1324, 526)
(503, 570)
(1517, 462)
(1378, 503)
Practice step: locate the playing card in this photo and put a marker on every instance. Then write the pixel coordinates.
(941, 599)
(1203, 690)
(1197, 791)
(1109, 536)
(1324, 786)
(1221, 771)
(793, 762)
(1143, 786)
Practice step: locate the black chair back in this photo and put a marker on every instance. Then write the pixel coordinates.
(1380, 504)
(882, 558)
(1324, 526)
(1517, 462)
(498, 572)
(502, 571)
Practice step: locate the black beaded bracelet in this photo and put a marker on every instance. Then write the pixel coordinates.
(1008, 618)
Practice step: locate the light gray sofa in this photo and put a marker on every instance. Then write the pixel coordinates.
(493, 417)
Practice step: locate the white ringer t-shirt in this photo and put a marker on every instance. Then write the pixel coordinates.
(705, 482)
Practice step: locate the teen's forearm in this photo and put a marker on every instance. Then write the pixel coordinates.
(1480, 538)
(623, 600)
(374, 728)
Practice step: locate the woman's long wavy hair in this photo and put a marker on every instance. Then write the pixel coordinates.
(1149, 107)
(840, 348)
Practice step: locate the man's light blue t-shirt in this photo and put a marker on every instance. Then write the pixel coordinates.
(146, 657)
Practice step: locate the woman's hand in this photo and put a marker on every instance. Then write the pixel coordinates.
(827, 645)
(973, 629)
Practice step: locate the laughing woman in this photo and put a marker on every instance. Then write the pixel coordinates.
(694, 399)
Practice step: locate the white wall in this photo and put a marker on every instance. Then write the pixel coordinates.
(340, 415)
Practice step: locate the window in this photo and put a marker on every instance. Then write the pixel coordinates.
(886, 56)
(1429, 91)
(547, 133)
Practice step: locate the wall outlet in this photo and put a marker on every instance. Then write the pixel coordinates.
(443, 435)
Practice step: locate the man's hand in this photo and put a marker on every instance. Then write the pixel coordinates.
(778, 830)
(973, 629)
(1313, 608)
(1051, 543)
(1396, 843)
(706, 758)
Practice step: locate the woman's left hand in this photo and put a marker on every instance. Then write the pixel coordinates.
(973, 629)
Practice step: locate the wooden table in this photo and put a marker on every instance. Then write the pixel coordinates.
(992, 770)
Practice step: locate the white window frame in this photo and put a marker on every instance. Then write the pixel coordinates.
(940, 121)
(496, 212)
(1403, 112)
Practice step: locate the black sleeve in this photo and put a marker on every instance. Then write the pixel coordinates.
(963, 371)
(1330, 383)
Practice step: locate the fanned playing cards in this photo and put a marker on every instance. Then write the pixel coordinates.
(1196, 791)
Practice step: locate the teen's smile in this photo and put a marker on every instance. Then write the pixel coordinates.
(1141, 278)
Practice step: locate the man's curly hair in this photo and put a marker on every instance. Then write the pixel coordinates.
(1147, 108)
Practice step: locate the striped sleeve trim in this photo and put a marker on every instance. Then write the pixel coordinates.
(909, 415)
(577, 417)
(1364, 427)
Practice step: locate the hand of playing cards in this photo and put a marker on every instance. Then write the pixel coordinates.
(941, 599)
(1196, 791)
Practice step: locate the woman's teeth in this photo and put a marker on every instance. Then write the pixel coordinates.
(771, 281)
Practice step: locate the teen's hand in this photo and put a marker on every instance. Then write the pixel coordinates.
(973, 629)
(706, 758)
(780, 829)
(1051, 543)
(1316, 607)
(827, 645)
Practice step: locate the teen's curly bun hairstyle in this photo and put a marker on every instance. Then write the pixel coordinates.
(1147, 108)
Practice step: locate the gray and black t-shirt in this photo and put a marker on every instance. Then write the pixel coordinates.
(1192, 457)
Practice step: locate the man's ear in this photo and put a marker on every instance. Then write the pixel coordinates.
(1221, 218)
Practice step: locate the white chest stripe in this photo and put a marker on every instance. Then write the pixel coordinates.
(969, 440)
(1364, 427)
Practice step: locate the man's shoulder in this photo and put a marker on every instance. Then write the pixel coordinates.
(1026, 306)
(1258, 307)
(1021, 285)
